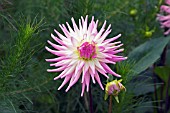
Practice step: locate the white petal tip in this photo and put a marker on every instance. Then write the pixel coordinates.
(52, 64)
(60, 88)
(48, 70)
(107, 76)
(67, 89)
(118, 76)
(51, 34)
(55, 30)
(48, 41)
(46, 48)
(55, 78)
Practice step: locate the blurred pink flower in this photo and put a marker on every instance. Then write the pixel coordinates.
(164, 17)
(167, 2)
(83, 52)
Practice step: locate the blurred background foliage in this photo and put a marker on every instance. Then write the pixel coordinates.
(26, 25)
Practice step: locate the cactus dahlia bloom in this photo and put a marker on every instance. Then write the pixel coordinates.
(164, 17)
(83, 53)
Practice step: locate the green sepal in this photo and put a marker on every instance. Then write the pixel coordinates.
(106, 96)
(117, 99)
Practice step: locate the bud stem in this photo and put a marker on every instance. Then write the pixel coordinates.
(110, 104)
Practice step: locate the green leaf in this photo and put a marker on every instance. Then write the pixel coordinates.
(163, 72)
(146, 54)
(110, 78)
(7, 106)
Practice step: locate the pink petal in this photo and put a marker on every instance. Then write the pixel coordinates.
(91, 25)
(73, 80)
(109, 70)
(101, 48)
(57, 46)
(56, 70)
(61, 63)
(65, 31)
(104, 36)
(116, 51)
(98, 80)
(58, 53)
(83, 88)
(71, 70)
(57, 59)
(58, 40)
(87, 80)
(92, 66)
(102, 72)
(94, 31)
(107, 61)
(100, 32)
(165, 8)
(92, 75)
(167, 2)
(80, 25)
(61, 36)
(119, 59)
(112, 39)
(85, 24)
(85, 69)
(67, 78)
(74, 25)
(70, 29)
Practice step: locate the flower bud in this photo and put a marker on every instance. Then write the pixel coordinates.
(133, 12)
(113, 88)
(148, 34)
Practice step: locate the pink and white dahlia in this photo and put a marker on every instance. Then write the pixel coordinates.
(84, 52)
(164, 17)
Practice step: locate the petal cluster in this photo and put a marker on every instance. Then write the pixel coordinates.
(164, 17)
(84, 52)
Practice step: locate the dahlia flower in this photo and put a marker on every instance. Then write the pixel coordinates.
(164, 17)
(113, 88)
(83, 53)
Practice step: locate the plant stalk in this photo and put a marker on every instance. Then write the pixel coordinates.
(90, 100)
(162, 63)
(155, 92)
(167, 102)
(110, 104)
